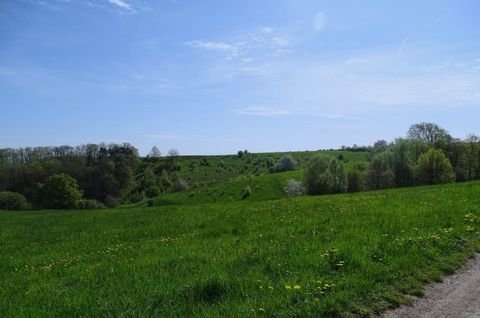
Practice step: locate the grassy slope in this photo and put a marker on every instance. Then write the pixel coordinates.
(207, 169)
(267, 186)
(344, 255)
(264, 187)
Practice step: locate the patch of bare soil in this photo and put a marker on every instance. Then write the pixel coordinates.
(457, 296)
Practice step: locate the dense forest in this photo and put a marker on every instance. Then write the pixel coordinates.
(90, 176)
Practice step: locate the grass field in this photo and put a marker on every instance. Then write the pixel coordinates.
(330, 256)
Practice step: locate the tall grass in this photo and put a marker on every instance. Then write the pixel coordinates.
(331, 256)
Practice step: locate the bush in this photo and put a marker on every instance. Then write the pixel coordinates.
(315, 181)
(60, 191)
(379, 174)
(324, 175)
(285, 163)
(180, 185)
(336, 179)
(152, 191)
(293, 188)
(434, 167)
(91, 204)
(247, 192)
(111, 202)
(136, 197)
(354, 180)
(12, 201)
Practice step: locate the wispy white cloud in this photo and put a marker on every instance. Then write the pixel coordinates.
(121, 3)
(261, 111)
(336, 116)
(229, 50)
(94, 5)
(261, 43)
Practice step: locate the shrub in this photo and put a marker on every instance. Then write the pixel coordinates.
(60, 191)
(354, 180)
(247, 192)
(111, 202)
(137, 197)
(285, 163)
(336, 179)
(180, 185)
(314, 179)
(379, 174)
(324, 175)
(91, 204)
(152, 191)
(434, 167)
(293, 188)
(13, 201)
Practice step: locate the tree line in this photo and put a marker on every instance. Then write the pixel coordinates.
(102, 172)
(427, 155)
(85, 176)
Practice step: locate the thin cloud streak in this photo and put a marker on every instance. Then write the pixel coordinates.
(261, 111)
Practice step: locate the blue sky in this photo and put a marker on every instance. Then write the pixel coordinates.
(211, 77)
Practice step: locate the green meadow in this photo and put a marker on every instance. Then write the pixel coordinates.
(347, 255)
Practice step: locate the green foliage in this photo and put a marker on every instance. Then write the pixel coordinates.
(112, 202)
(91, 204)
(354, 180)
(434, 167)
(285, 163)
(294, 188)
(379, 173)
(315, 179)
(324, 175)
(336, 178)
(164, 181)
(13, 201)
(180, 185)
(405, 155)
(247, 192)
(60, 191)
(430, 133)
(100, 170)
(150, 183)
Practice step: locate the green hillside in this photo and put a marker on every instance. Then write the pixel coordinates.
(263, 186)
(329, 256)
(208, 169)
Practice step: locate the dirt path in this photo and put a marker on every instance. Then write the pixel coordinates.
(458, 296)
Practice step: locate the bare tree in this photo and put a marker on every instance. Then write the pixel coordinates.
(155, 152)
